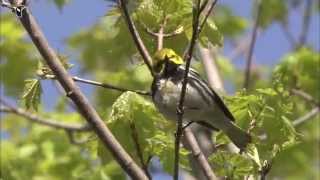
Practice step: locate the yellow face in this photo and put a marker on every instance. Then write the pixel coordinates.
(164, 55)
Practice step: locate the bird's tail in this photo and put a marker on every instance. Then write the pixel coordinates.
(238, 136)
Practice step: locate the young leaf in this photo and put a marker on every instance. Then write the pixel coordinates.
(231, 165)
(152, 132)
(32, 93)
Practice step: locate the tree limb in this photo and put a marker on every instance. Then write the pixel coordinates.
(74, 93)
(109, 86)
(252, 43)
(305, 96)
(288, 35)
(305, 24)
(96, 83)
(306, 117)
(40, 120)
(134, 135)
(193, 145)
(180, 110)
(136, 37)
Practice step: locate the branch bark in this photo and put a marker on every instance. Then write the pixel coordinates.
(306, 117)
(305, 24)
(136, 37)
(252, 43)
(305, 96)
(40, 120)
(109, 86)
(74, 93)
(192, 144)
(197, 27)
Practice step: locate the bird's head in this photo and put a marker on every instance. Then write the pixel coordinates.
(166, 58)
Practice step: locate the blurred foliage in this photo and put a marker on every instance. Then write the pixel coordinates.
(17, 58)
(229, 24)
(272, 11)
(132, 114)
(106, 52)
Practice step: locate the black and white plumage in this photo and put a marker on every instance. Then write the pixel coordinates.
(202, 104)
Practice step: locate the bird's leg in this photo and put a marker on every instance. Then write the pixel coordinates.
(188, 124)
(184, 127)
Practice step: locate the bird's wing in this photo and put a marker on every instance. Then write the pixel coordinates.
(195, 78)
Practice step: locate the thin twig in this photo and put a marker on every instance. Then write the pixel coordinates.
(74, 93)
(207, 14)
(161, 33)
(136, 37)
(192, 144)
(6, 107)
(306, 117)
(109, 86)
(288, 35)
(178, 31)
(73, 140)
(96, 83)
(180, 110)
(6, 5)
(305, 24)
(305, 96)
(247, 74)
(240, 47)
(134, 135)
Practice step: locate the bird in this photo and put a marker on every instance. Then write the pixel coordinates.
(202, 104)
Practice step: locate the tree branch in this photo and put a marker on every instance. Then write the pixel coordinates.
(306, 117)
(305, 96)
(96, 83)
(134, 135)
(109, 86)
(288, 35)
(160, 34)
(193, 145)
(207, 13)
(305, 24)
(178, 31)
(252, 43)
(136, 37)
(187, 58)
(40, 120)
(74, 93)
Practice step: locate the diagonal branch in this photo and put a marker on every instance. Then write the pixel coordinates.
(180, 110)
(305, 96)
(135, 137)
(193, 145)
(305, 24)
(306, 117)
(96, 83)
(247, 74)
(136, 37)
(74, 93)
(109, 86)
(40, 120)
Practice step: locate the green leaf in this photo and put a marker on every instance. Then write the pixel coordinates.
(210, 33)
(18, 56)
(271, 11)
(231, 165)
(32, 94)
(140, 120)
(229, 24)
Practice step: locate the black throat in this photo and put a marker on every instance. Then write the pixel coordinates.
(170, 69)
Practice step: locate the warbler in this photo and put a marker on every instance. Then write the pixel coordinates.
(202, 104)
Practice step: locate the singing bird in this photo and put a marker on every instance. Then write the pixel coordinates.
(202, 104)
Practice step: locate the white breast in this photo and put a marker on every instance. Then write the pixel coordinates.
(167, 98)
